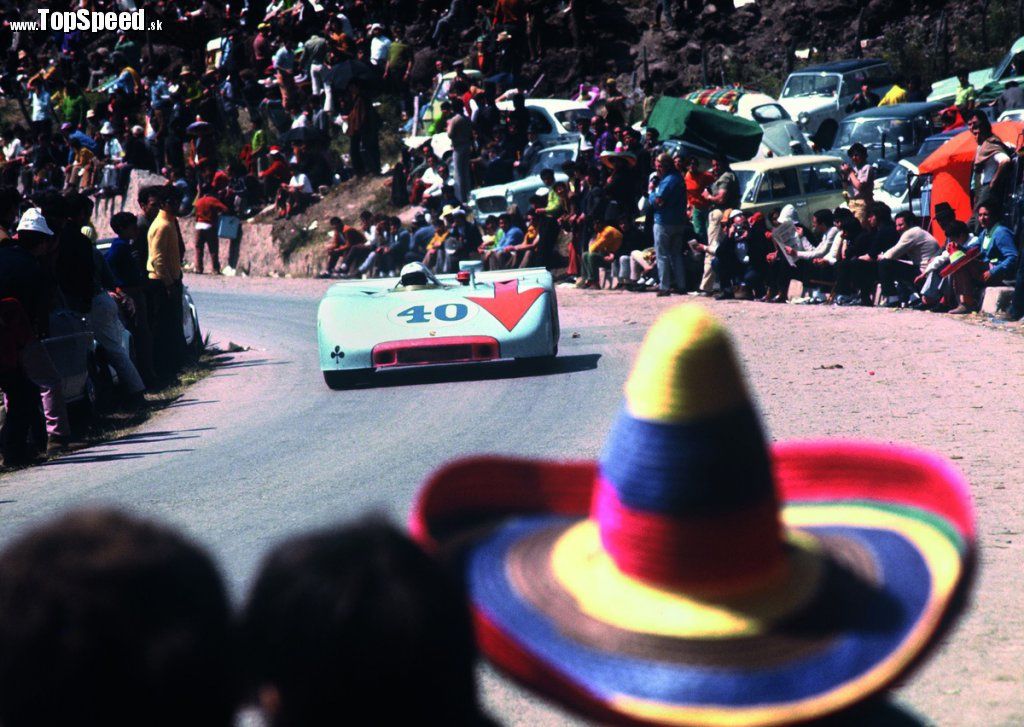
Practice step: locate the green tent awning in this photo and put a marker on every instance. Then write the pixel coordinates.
(708, 130)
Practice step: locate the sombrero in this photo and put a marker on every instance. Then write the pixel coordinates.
(693, 575)
(959, 260)
(608, 157)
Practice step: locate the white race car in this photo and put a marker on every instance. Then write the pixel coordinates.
(422, 319)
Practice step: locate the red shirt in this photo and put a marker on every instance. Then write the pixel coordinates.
(695, 184)
(277, 170)
(208, 208)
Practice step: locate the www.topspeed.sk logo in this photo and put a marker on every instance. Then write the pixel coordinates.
(87, 21)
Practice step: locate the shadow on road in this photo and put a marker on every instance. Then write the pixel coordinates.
(221, 363)
(88, 456)
(190, 402)
(879, 712)
(158, 436)
(483, 372)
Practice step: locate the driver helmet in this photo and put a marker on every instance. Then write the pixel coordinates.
(415, 274)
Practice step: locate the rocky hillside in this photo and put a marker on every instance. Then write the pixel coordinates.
(758, 42)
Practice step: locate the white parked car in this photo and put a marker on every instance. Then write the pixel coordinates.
(1012, 115)
(817, 96)
(488, 202)
(554, 119)
(782, 136)
(901, 190)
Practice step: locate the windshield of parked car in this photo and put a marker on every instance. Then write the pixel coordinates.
(1012, 66)
(896, 183)
(811, 84)
(552, 159)
(871, 131)
(769, 112)
(931, 144)
(568, 118)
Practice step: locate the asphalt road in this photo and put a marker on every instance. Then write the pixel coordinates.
(262, 449)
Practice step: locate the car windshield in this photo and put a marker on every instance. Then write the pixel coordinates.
(1012, 66)
(568, 118)
(811, 84)
(769, 112)
(896, 183)
(746, 180)
(871, 131)
(930, 145)
(552, 159)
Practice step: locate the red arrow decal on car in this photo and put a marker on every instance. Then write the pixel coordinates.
(509, 305)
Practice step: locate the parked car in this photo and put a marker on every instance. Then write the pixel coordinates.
(808, 182)
(901, 189)
(817, 96)
(431, 111)
(888, 132)
(782, 136)
(190, 314)
(1012, 115)
(488, 202)
(989, 82)
(73, 349)
(934, 141)
(553, 118)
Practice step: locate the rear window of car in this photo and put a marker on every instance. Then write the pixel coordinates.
(779, 184)
(568, 118)
(816, 180)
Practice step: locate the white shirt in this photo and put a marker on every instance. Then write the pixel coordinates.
(14, 149)
(113, 150)
(40, 105)
(990, 165)
(379, 47)
(301, 181)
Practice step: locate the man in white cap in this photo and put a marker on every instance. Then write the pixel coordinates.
(380, 44)
(35, 239)
(113, 155)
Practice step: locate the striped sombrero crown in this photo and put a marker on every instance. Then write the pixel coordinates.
(684, 497)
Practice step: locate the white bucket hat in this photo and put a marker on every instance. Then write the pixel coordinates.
(33, 221)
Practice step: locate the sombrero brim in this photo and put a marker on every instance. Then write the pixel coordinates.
(607, 159)
(894, 528)
(969, 256)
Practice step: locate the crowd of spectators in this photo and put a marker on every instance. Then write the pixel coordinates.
(56, 282)
(238, 107)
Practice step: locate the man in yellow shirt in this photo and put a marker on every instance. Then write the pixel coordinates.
(163, 269)
(896, 94)
(601, 253)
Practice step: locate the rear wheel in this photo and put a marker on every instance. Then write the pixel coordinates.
(345, 379)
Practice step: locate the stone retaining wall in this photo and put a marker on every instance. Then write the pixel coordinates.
(258, 253)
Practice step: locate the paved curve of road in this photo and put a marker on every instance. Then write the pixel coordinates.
(262, 449)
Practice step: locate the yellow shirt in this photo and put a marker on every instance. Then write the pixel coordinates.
(894, 96)
(437, 240)
(607, 240)
(164, 250)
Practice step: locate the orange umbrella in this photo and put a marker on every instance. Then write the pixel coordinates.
(950, 166)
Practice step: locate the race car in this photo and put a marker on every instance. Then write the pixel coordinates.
(423, 319)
